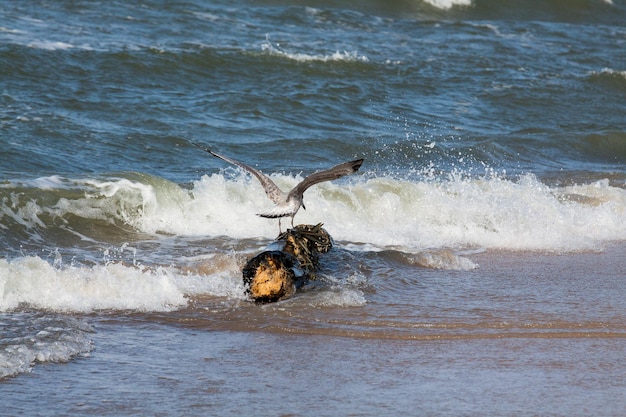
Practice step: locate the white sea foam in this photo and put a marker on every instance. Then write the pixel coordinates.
(345, 56)
(431, 221)
(50, 45)
(9, 30)
(448, 4)
(34, 282)
(493, 212)
(610, 72)
(43, 340)
(334, 296)
(384, 212)
(339, 296)
(444, 259)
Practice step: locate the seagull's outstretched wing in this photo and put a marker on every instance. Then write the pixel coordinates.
(330, 174)
(273, 192)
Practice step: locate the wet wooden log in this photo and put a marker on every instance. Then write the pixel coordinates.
(287, 264)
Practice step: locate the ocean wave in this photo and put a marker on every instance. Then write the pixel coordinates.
(448, 4)
(51, 45)
(337, 56)
(419, 214)
(611, 73)
(443, 259)
(606, 146)
(340, 295)
(413, 215)
(33, 282)
(558, 10)
(45, 339)
(550, 10)
(613, 80)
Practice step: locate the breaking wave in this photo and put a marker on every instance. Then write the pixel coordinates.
(32, 282)
(410, 215)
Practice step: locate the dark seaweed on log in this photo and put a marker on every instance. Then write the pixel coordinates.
(306, 242)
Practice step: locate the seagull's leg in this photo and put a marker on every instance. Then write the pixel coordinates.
(280, 230)
(292, 220)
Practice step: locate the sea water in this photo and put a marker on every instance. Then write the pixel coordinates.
(479, 251)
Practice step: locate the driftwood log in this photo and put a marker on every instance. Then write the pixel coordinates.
(287, 264)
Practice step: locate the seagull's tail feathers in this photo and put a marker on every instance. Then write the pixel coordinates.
(277, 212)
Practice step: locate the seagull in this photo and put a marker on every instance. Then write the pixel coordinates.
(288, 204)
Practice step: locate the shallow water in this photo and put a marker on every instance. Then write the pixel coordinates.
(525, 334)
(479, 254)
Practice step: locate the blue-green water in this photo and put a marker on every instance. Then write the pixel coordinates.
(490, 205)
